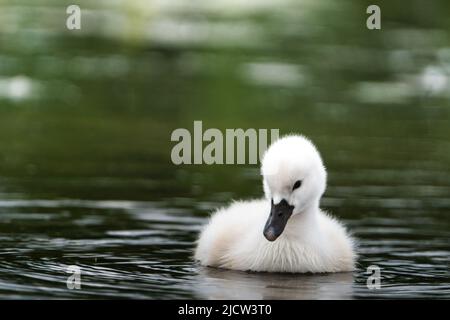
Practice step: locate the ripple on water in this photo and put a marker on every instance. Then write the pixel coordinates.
(145, 250)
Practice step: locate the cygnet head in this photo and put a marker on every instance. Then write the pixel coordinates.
(294, 179)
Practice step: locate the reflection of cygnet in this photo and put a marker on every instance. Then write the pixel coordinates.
(296, 236)
(214, 283)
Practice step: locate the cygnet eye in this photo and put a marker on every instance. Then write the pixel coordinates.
(297, 184)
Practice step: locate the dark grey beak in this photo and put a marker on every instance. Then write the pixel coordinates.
(279, 216)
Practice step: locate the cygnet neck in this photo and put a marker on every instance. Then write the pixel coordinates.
(304, 222)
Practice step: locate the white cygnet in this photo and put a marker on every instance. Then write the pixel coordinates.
(286, 231)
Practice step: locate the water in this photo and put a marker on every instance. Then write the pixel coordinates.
(85, 123)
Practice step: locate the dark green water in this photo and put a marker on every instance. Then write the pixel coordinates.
(85, 121)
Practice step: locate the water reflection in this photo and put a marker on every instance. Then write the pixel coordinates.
(225, 284)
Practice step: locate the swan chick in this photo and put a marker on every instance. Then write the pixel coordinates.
(286, 231)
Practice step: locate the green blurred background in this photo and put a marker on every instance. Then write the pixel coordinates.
(102, 101)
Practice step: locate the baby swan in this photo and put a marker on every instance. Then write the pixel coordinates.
(287, 231)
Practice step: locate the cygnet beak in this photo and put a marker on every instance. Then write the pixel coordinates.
(279, 216)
